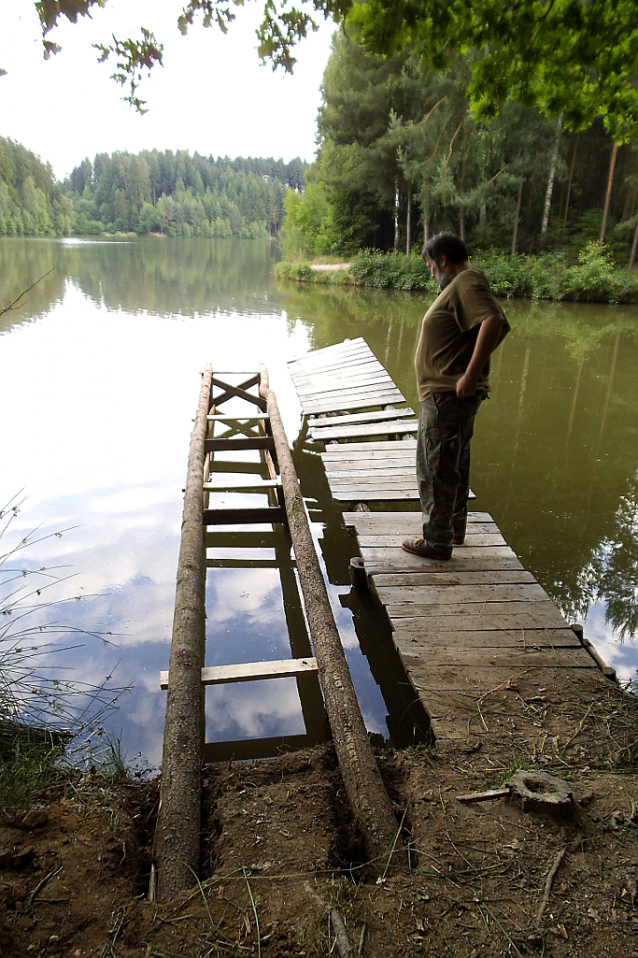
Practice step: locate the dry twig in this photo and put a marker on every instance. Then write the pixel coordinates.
(548, 885)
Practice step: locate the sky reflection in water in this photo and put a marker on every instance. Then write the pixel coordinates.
(99, 378)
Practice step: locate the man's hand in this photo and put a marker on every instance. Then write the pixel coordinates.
(466, 386)
(489, 336)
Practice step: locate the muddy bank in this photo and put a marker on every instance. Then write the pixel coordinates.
(278, 845)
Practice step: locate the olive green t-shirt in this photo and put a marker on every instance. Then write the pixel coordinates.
(449, 331)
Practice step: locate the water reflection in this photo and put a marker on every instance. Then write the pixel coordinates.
(99, 377)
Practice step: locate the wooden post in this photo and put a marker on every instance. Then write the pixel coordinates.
(364, 786)
(177, 835)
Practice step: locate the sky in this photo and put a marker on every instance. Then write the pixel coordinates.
(211, 96)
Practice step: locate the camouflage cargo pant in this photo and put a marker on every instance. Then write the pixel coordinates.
(446, 426)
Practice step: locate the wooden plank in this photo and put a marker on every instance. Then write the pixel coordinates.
(372, 416)
(435, 685)
(393, 427)
(478, 617)
(368, 448)
(472, 540)
(216, 563)
(359, 385)
(415, 563)
(378, 471)
(336, 459)
(402, 520)
(435, 595)
(236, 445)
(490, 563)
(252, 487)
(219, 517)
(353, 400)
(220, 418)
(464, 660)
(396, 481)
(357, 494)
(337, 465)
(242, 468)
(344, 392)
(351, 379)
(251, 671)
(361, 365)
(461, 577)
(421, 643)
(475, 531)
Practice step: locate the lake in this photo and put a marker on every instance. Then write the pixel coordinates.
(100, 368)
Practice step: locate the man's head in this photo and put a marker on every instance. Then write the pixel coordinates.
(446, 255)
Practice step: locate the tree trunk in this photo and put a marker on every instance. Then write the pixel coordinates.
(363, 783)
(396, 215)
(610, 183)
(631, 196)
(177, 834)
(427, 227)
(571, 177)
(584, 181)
(518, 214)
(462, 216)
(408, 224)
(632, 258)
(552, 174)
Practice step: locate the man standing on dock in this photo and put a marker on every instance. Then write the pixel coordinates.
(460, 331)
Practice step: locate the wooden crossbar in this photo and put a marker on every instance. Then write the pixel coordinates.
(218, 517)
(252, 671)
(230, 486)
(228, 418)
(234, 445)
(240, 391)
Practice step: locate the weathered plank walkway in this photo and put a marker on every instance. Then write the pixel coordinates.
(342, 379)
(466, 628)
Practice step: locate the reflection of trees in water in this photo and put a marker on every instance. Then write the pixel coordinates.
(22, 262)
(156, 276)
(612, 574)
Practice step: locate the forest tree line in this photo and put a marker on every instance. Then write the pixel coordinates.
(162, 192)
(402, 157)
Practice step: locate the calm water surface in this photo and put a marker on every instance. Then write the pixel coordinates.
(99, 379)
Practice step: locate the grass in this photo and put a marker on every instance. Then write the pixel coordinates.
(50, 727)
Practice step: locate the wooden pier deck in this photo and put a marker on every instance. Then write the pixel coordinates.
(468, 629)
(349, 379)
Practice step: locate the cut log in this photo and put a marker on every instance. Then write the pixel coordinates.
(176, 848)
(362, 779)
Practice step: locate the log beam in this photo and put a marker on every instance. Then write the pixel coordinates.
(368, 797)
(177, 835)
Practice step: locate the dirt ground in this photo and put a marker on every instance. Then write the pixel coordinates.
(281, 864)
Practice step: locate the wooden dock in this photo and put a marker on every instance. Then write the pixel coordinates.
(348, 378)
(465, 629)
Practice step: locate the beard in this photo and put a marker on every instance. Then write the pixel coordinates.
(440, 278)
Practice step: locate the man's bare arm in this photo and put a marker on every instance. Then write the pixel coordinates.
(492, 332)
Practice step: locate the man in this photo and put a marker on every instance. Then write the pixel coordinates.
(460, 331)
